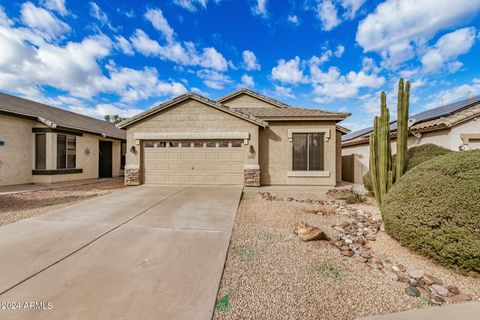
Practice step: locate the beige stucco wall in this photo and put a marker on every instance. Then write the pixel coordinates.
(246, 101)
(191, 116)
(338, 157)
(276, 154)
(16, 156)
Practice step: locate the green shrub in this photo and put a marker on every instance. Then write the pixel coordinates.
(355, 197)
(415, 156)
(435, 210)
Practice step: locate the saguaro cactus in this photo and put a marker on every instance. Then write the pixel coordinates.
(402, 128)
(380, 152)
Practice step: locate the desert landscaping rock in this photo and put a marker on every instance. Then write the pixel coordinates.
(309, 233)
(459, 298)
(412, 291)
(441, 290)
(278, 284)
(453, 289)
(416, 273)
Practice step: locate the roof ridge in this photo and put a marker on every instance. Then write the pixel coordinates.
(56, 109)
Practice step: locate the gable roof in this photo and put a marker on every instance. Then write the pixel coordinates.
(197, 97)
(283, 110)
(253, 94)
(434, 119)
(60, 118)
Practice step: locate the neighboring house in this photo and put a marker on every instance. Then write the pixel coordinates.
(43, 144)
(455, 126)
(243, 138)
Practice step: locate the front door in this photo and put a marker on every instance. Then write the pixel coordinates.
(105, 159)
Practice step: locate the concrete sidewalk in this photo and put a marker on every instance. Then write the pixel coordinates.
(464, 311)
(139, 253)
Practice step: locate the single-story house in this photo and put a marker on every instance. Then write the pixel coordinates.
(242, 138)
(455, 126)
(44, 144)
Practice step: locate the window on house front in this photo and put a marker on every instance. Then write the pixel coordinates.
(308, 151)
(66, 151)
(40, 151)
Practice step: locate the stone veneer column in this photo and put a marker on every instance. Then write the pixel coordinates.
(132, 175)
(251, 175)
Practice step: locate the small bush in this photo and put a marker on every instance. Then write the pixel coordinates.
(355, 197)
(328, 270)
(435, 210)
(245, 252)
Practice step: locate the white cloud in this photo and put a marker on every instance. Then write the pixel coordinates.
(101, 110)
(250, 60)
(97, 13)
(456, 93)
(56, 5)
(260, 8)
(214, 79)
(42, 21)
(247, 81)
(155, 16)
(351, 7)
(288, 71)
(124, 45)
(339, 51)
(74, 68)
(293, 19)
(186, 54)
(328, 15)
(332, 84)
(447, 49)
(191, 5)
(284, 92)
(397, 26)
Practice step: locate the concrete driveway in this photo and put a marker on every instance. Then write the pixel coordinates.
(148, 252)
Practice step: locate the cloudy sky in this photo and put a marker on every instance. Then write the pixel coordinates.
(121, 57)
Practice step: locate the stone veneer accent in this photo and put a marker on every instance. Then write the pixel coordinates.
(252, 177)
(132, 177)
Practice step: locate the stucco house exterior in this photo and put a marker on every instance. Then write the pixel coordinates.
(455, 126)
(242, 138)
(44, 144)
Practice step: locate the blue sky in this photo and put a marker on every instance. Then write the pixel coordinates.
(106, 57)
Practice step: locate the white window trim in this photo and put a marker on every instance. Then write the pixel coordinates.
(309, 130)
(308, 174)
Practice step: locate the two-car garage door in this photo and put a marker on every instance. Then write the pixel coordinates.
(193, 162)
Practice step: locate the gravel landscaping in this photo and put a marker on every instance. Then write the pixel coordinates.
(23, 205)
(271, 274)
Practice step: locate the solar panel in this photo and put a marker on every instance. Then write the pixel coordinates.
(442, 111)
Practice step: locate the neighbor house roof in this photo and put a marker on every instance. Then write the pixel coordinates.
(58, 118)
(283, 112)
(439, 118)
(190, 95)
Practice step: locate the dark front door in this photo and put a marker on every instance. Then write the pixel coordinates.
(105, 160)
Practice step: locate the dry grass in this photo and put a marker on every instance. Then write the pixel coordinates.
(285, 278)
(18, 206)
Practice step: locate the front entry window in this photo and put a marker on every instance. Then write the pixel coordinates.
(66, 151)
(308, 151)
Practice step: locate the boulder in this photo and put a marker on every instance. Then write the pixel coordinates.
(307, 232)
(429, 279)
(458, 298)
(413, 292)
(453, 289)
(416, 273)
(441, 290)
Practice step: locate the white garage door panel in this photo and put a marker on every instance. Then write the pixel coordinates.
(192, 165)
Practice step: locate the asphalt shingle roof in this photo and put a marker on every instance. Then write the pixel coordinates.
(62, 118)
